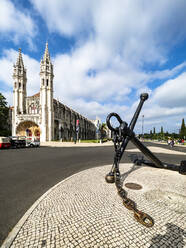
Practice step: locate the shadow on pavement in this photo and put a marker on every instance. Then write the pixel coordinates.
(133, 168)
(173, 238)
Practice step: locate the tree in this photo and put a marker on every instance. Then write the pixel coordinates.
(166, 135)
(4, 111)
(162, 136)
(154, 133)
(150, 134)
(161, 130)
(183, 130)
(103, 130)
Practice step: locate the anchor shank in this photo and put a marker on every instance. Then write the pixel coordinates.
(143, 98)
(147, 152)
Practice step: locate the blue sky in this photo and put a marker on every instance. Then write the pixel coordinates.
(105, 53)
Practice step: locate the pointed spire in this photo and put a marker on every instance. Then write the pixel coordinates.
(46, 54)
(20, 59)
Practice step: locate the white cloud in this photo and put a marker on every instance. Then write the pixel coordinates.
(15, 24)
(139, 31)
(92, 72)
(166, 105)
(94, 75)
(101, 92)
(91, 109)
(66, 17)
(171, 94)
(115, 40)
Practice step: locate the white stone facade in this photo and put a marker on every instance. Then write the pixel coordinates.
(41, 115)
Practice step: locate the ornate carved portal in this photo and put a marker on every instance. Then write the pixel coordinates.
(28, 128)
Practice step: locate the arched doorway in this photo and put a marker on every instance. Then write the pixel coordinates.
(29, 129)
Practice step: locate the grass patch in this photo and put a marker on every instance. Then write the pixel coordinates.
(93, 141)
(90, 141)
(82, 141)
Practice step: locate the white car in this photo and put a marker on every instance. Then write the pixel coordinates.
(33, 143)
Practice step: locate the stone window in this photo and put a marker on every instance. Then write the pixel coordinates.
(47, 82)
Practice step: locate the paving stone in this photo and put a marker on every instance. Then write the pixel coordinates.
(85, 211)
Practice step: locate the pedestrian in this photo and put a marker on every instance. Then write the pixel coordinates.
(172, 143)
(74, 139)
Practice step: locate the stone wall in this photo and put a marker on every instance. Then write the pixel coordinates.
(65, 124)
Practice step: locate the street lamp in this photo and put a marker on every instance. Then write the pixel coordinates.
(142, 125)
(97, 130)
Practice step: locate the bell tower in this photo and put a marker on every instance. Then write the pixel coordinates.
(46, 97)
(19, 90)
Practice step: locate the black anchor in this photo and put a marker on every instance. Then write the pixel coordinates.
(123, 134)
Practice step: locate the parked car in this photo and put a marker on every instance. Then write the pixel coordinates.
(18, 141)
(14, 141)
(33, 143)
(4, 142)
(22, 141)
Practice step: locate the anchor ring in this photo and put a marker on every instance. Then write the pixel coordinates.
(108, 121)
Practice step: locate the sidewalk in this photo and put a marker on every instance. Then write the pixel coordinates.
(164, 143)
(84, 211)
(72, 144)
(83, 144)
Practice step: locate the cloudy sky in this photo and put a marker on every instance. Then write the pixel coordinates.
(105, 53)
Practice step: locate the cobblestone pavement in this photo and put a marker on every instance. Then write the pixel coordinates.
(85, 211)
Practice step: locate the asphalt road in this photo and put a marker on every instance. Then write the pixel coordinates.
(26, 174)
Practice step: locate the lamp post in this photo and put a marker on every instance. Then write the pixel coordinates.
(97, 130)
(77, 130)
(142, 126)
